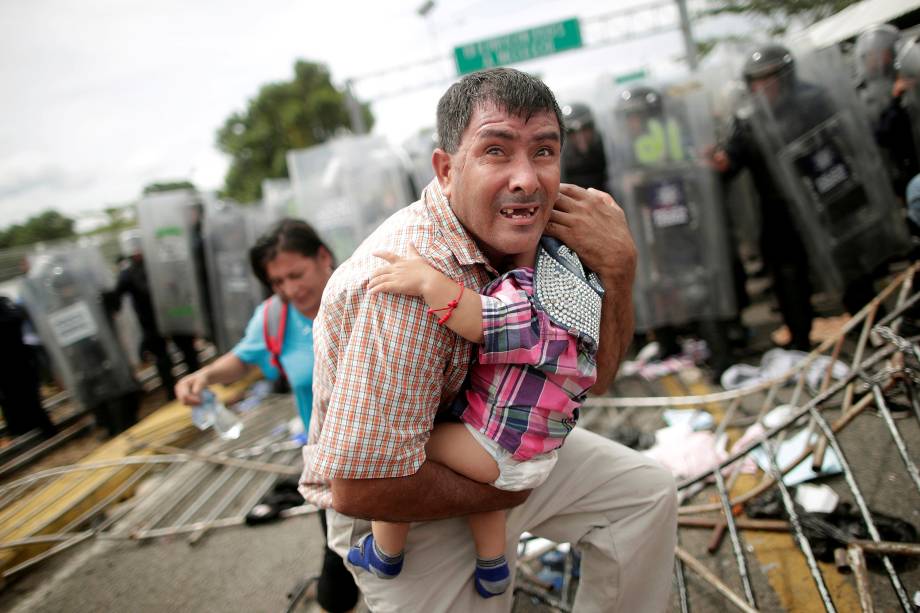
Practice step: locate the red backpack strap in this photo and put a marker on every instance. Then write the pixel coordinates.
(274, 322)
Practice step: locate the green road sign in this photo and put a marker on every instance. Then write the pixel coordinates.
(636, 75)
(518, 46)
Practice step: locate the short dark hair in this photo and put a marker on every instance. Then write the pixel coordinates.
(514, 92)
(292, 235)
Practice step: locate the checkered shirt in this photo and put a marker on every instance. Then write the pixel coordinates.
(383, 366)
(530, 376)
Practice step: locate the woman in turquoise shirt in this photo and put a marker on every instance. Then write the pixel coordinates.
(293, 261)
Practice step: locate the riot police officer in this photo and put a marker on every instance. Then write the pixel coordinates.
(63, 295)
(20, 398)
(132, 280)
(771, 70)
(885, 91)
(584, 162)
(874, 53)
(809, 159)
(674, 207)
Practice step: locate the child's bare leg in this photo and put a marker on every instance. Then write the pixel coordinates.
(488, 533)
(390, 536)
(454, 446)
(381, 552)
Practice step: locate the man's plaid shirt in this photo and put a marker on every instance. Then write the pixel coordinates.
(383, 366)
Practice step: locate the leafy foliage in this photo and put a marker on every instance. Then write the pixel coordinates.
(286, 115)
(119, 218)
(779, 13)
(47, 226)
(166, 186)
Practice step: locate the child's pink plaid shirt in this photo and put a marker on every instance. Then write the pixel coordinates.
(530, 377)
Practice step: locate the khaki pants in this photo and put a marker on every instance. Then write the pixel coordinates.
(618, 506)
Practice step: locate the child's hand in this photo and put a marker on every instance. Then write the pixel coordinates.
(403, 275)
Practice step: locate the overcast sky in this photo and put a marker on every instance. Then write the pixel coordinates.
(101, 97)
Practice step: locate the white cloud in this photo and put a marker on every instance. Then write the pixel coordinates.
(104, 96)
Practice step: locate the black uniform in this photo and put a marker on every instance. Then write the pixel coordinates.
(894, 134)
(133, 281)
(780, 244)
(782, 247)
(19, 379)
(585, 168)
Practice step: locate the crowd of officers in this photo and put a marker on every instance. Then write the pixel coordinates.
(830, 158)
(69, 302)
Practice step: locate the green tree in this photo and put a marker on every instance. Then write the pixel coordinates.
(47, 226)
(779, 14)
(119, 218)
(286, 115)
(167, 186)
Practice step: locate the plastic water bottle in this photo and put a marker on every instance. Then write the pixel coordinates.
(203, 414)
(212, 412)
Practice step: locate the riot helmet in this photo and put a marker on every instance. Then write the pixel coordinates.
(56, 274)
(875, 52)
(577, 116)
(130, 243)
(767, 61)
(641, 99)
(907, 62)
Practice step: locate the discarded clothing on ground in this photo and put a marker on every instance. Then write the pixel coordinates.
(792, 448)
(695, 419)
(648, 365)
(686, 453)
(777, 362)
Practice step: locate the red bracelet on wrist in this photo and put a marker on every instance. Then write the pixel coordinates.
(450, 306)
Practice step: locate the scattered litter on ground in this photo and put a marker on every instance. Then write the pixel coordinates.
(816, 498)
(256, 393)
(791, 449)
(686, 453)
(697, 419)
(777, 362)
(648, 365)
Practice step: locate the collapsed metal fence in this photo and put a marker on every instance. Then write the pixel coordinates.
(169, 491)
(883, 361)
(192, 491)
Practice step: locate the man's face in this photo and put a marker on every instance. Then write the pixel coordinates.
(503, 180)
(581, 139)
(877, 62)
(768, 86)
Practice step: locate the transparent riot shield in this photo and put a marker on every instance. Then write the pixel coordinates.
(907, 65)
(819, 149)
(727, 96)
(170, 224)
(346, 187)
(64, 300)
(874, 57)
(235, 292)
(277, 198)
(673, 203)
(419, 149)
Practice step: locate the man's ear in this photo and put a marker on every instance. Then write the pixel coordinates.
(441, 162)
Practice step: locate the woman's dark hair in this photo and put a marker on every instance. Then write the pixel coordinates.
(292, 235)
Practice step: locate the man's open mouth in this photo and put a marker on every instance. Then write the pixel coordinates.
(519, 213)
